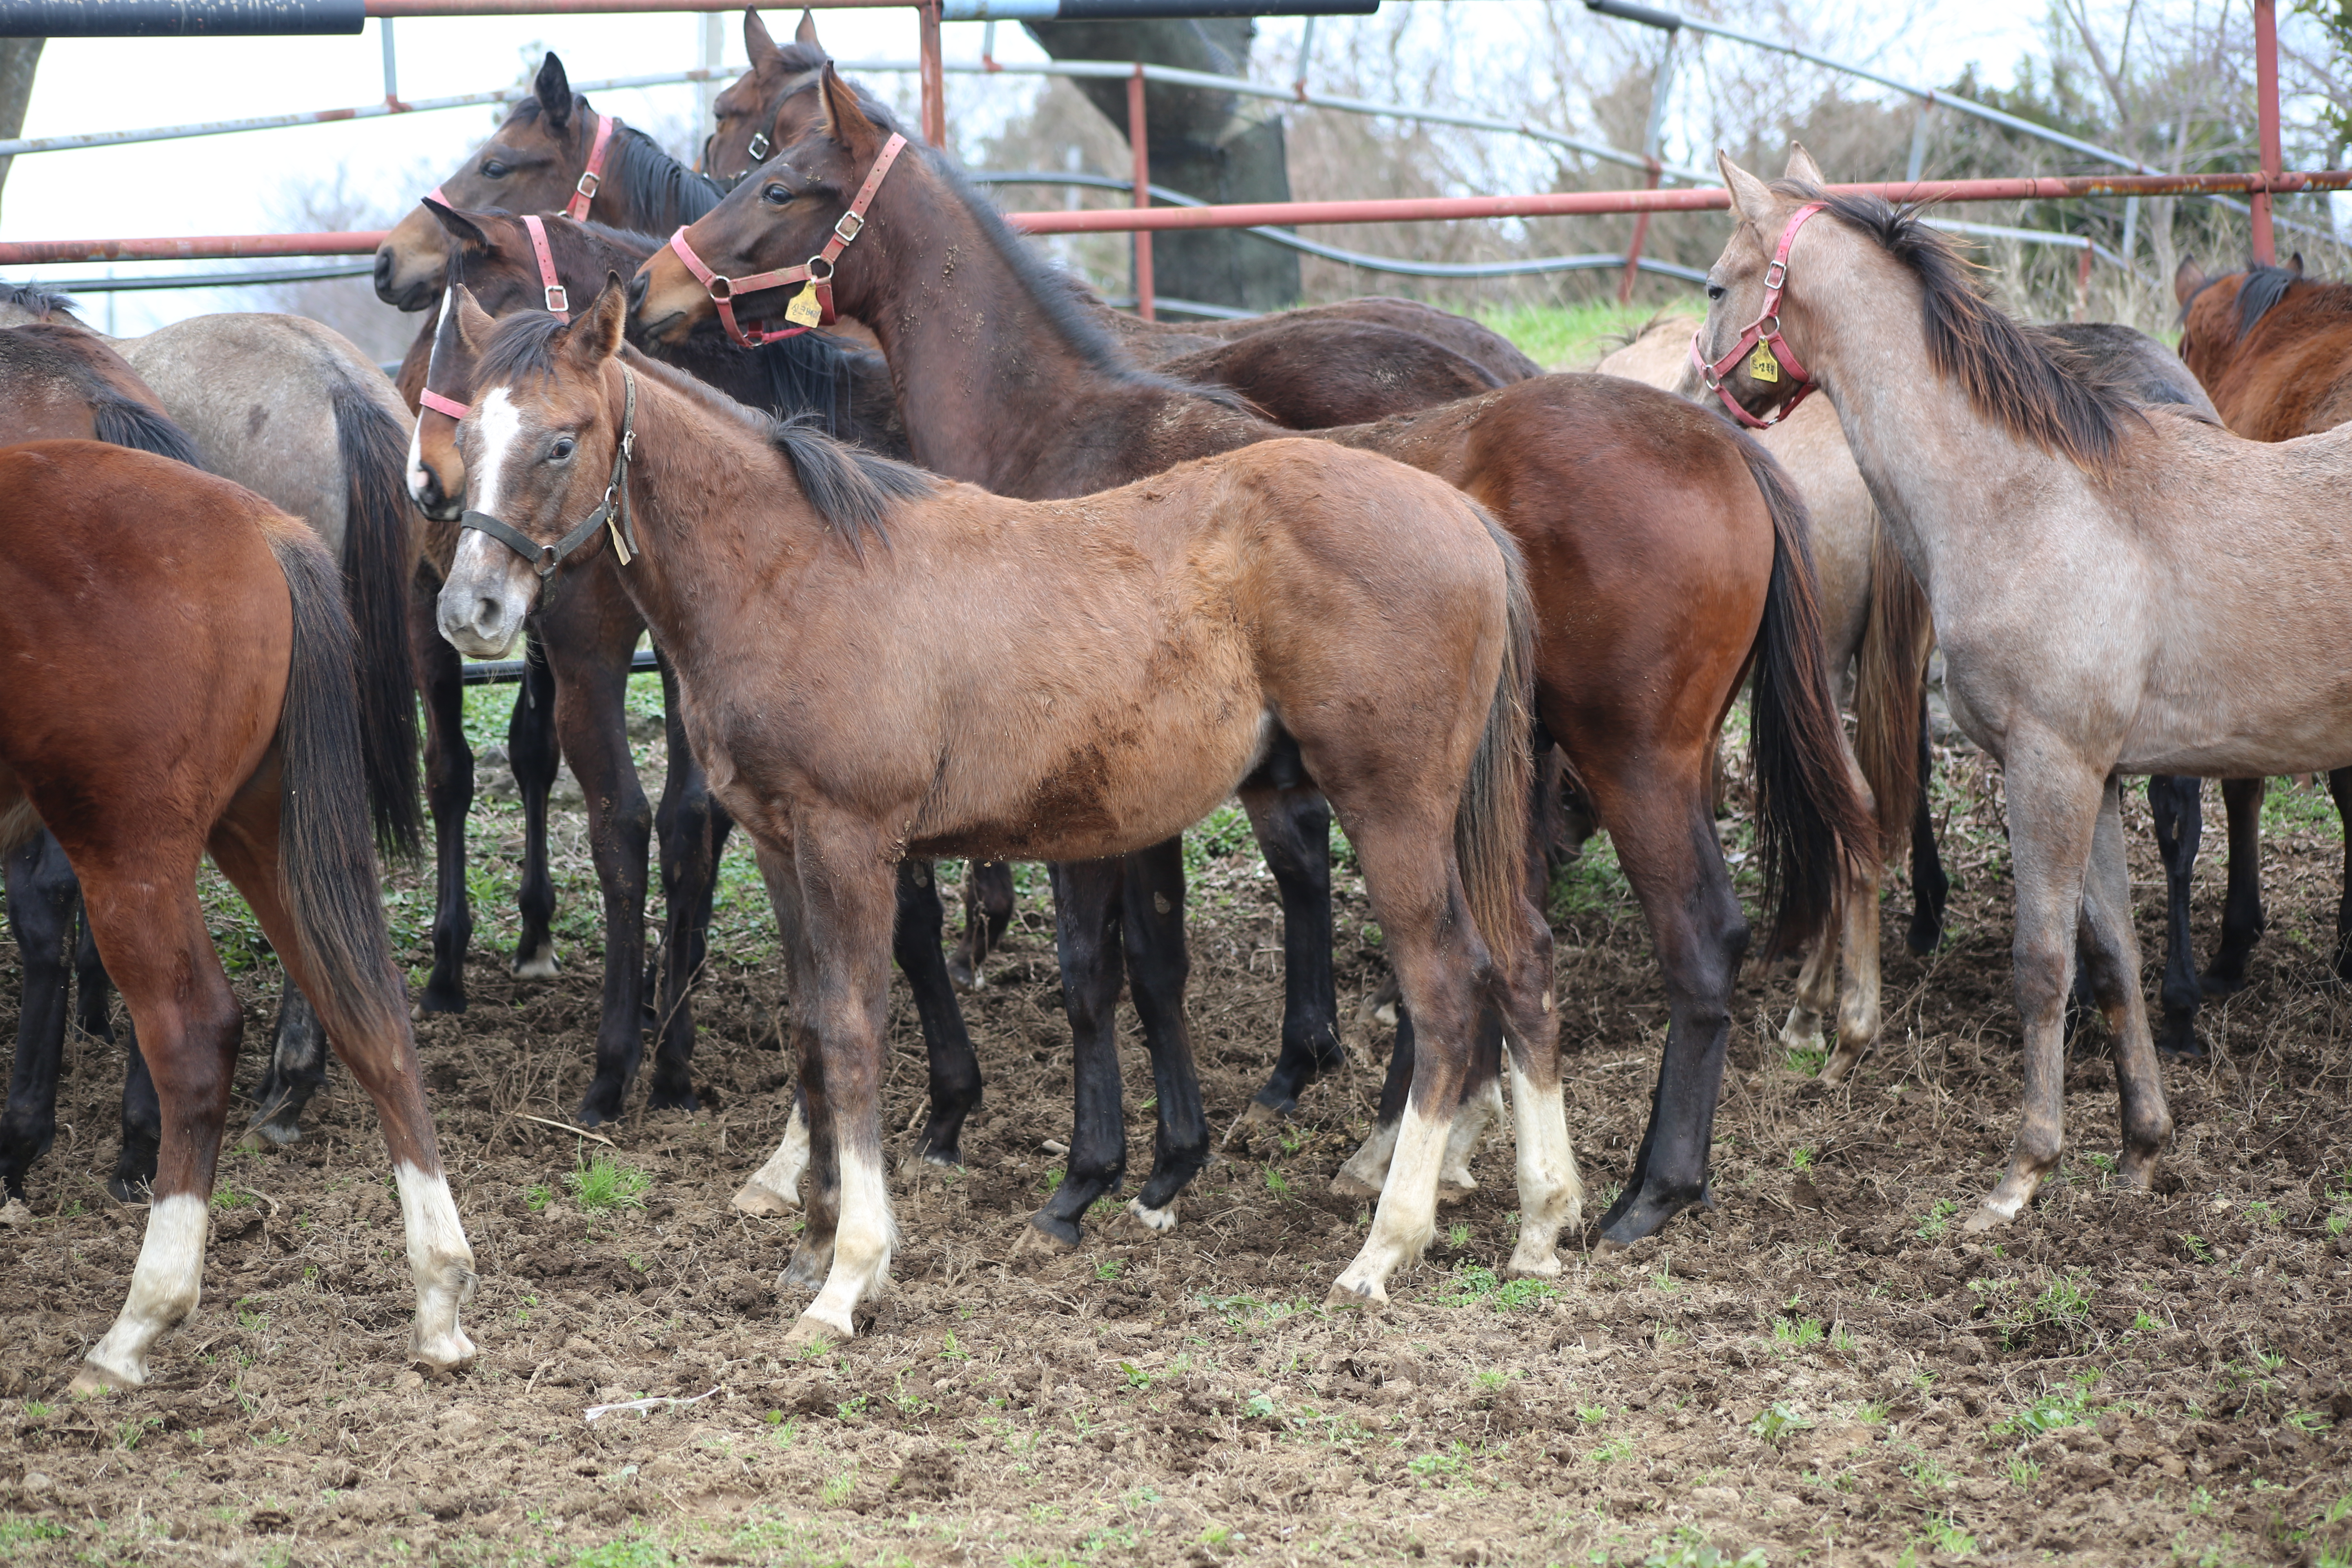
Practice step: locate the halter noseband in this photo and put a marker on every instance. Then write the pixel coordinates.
(612, 512)
(557, 304)
(813, 306)
(1772, 353)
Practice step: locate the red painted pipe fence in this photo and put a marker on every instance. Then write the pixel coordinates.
(1114, 220)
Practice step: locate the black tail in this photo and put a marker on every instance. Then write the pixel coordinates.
(325, 858)
(1809, 822)
(379, 558)
(125, 422)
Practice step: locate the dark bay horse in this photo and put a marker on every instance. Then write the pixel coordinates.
(2117, 588)
(235, 733)
(1665, 555)
(1263, 602)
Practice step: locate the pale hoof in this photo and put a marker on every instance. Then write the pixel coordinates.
(811, 1333)
(1385, 1014)
(1366, 1296)
(93, 1380)
(752, 1198)
(1530, 1265)
(15, 1213)
(918, 1167)
(540, 965)
(1803, 1037)
(1987, 1217)
(1453, 1186)
(1841, 1063)
(1034, 1241)
(1159, 1221)
(1347, 1184)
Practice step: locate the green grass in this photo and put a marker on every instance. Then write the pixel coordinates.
(604, 1184)
(1568, 337)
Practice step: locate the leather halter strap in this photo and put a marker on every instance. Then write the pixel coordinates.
(559, 304)
(725, 291)
(440, 404)
(1754, 337)
(592, 178)
(612, 513)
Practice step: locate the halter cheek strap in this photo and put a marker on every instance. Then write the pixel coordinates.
(816, 271)
(1773, 353)
(559, 304)
(440, 404)
(592, 178)
(612, 513)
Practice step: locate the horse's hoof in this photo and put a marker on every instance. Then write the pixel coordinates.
(14, 1213)
(1638, 1215)
(761, 1203)
(1262, 1112)
(1159, 1221)
(93, 1380)
(1347, 1185)
(1049, 1234)
(278, 1128)
(812, 1335)
(598, 1106)
(435, 999)
(1365, 1296)
(930, 1163)
(1987, 1217)
(124, 1190)
(446, 1354)
(538, 965)
(1385, 1014)
(659, 1099)
(807, 1269)
(1842, 1063)
(1533, 1265)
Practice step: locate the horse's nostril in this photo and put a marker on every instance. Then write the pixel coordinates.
(637, 292)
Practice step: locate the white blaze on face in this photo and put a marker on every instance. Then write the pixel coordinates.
(482, 576)
(497, 421)
(163, 1287)
(416, 430)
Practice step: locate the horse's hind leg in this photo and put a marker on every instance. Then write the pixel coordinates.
(1159, 965)
(1551, 1193)
(1930, 888)
(44, 901)
(809, 1142)
(2173, 801)
(1293, 823)
(160, 953)
(377, 1047)
(2339, 785)
(532, 753)
(2241, 909)
(987, 912)
(142, 1130)
(92, 989)
(2112, 948)
(1086, 939)
(955, 1070)
(298, 1069)
(449, 794)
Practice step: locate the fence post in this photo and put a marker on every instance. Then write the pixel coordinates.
(391, 66)
(1653, 137)
(934, 78)
(2266, 106)
(1137, 144)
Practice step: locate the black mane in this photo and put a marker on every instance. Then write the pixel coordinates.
(2263, 287)
(37, 298)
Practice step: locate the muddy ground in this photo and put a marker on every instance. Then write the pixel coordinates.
(1822, 1369)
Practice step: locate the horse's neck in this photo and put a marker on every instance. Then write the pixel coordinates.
(993, 388)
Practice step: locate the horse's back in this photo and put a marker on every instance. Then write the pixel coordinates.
(258, 394)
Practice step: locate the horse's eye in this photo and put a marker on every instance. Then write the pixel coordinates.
(775, 196)
(560, 450)
(1715, 290)
(493, 170)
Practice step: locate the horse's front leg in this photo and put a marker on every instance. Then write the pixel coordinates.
(44, 907)
(449, 794)
(1157, 966)
(531, 751)
(2173, 801)
(955, 1070)
(1086, 910)
(1293, 823)
(846, 912)
(2241, 908)
(691, 827)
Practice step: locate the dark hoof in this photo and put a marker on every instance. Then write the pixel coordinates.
(660, 1099)
(282, 1128)
(125, 1189)
(2215, 982)
(959, 973)
(1062, 1231)
(1641, 1214)
(2181, 1045)
(1924, 936)
(440, 996)
(1273, 1101)
(599, 1106)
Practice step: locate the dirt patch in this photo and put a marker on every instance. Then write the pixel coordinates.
(1823, 1367)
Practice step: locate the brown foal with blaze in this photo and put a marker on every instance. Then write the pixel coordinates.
(878, 664)
(235, 733)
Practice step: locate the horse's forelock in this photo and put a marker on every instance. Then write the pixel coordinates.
(521, 348)
(2015, 374)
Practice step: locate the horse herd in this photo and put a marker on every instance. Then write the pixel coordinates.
(1011, 575)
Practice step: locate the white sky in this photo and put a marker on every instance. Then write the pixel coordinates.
(227, 184)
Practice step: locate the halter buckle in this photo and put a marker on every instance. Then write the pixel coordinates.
(848, 227)
(559, 304)
(759, 145)
(591, 182)
(1772, 283)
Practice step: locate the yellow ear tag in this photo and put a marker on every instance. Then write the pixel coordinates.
(1762, 365)
(805, 311)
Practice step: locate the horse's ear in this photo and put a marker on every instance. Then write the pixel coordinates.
(595, 336)
(806, 32)
(759, 44)
(553, 90)
(1751, 198)
(2294, 263)
(1802, 167)
(844, 122)
(2186, 280)
(460, 227)
(474, 323)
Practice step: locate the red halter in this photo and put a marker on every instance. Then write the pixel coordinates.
(559, 305)
(1771, 350)
(813, 306)
(592, 178)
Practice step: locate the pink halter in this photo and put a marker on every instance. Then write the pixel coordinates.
(724, 290)
(558, 302)
(1769, 347)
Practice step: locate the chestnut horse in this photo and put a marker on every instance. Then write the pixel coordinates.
(2117, 588)
(1665, 551)
(235, 732)
(2275, 350)
(1261, 604)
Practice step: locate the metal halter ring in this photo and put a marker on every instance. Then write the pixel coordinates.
(759, 145)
